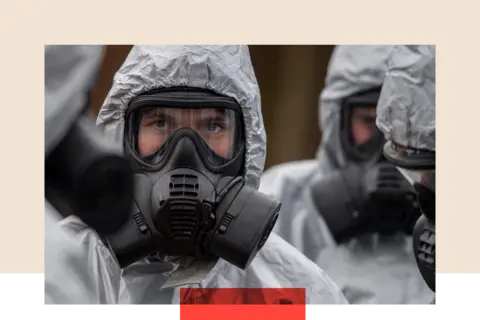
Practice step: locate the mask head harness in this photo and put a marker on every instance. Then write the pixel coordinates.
(190, 195)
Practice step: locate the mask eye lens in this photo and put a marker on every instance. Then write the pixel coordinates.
(151, 129)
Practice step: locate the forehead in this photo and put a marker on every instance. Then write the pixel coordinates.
(182, 112)
(365, 110)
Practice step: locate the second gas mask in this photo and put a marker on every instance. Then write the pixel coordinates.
(190, 198)
(424, 231)
(90, 178)
(367, 194)
(418, 168)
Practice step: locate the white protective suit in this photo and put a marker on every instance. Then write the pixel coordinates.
(226, 70)
(406, 107)
(69, 72)
(369, 269)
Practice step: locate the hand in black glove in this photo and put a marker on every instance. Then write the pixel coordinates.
(390, 201)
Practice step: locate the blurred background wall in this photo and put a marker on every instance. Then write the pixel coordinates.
(290, 79)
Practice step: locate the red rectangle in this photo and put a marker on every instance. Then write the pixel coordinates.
(242, 296)
(242, 312)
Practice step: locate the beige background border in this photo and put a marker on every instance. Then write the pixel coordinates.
(26, 26)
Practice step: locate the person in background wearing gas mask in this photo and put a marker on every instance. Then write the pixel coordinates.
(76, 162)
(349, 210)
(189, 118)
(406, 115)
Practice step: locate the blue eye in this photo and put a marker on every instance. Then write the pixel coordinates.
(213, 127)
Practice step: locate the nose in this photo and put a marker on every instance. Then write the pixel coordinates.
(362, 134)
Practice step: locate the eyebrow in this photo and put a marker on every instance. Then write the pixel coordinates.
(210, 115)
(149, 113)
(214, 117)
(365, 116)
(217, 112)
(150, 116)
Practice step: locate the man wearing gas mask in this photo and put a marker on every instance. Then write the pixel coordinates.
(189, 118)
(78, 165)
(349, 210)
(406, 115)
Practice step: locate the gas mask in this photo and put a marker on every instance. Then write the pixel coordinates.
(88, 177)
(190, 196)
(367, 195)
(424, 232)
(85, 175)
(418, 168)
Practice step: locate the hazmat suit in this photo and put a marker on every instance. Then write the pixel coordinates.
(225, 70)
(406, 115)
(370, 268)
(69, 72)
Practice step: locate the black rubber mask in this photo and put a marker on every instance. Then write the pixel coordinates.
(424, 232)
(190, 195)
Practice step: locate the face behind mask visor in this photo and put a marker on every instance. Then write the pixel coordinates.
(360, 138)
(191, 199)
(219, 130)
(153, 120)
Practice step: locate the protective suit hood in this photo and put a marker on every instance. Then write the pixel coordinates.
(352, 69)
(69, 75)
(226, 70)
(406, 108)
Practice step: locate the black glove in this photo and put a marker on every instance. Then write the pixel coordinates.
(390, 201)
(355, 201)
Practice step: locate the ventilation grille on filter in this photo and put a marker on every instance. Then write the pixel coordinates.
(183, 218)
(183, 212)
(184, 185)
(427, 248)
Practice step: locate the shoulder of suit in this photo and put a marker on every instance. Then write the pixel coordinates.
(279, 252)
(282, 175)
(292, 167)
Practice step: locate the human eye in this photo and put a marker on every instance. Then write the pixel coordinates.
(212, 126)
(216, 126)
(160, 123)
